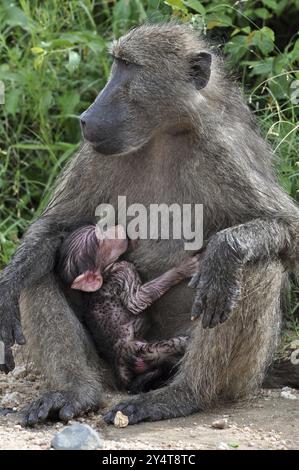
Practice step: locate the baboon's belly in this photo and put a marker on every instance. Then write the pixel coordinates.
(171, 314)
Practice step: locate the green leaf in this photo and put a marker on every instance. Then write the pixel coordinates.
(295, 51)
(263, 39)
(280, 63)
(177, 5)
(280, 87)
(58, 43)
(38, 62)
(246, 30)
(46, 101)
(196, 6)
(273, 4)
(237, 47)
(262, 13)
(234, 445)
(121, 15)
(12, 101)
(74, 61)
(139, 10)
(218, 20)
(261, 67)
(37, 50)
(68, 102)
(14, 16)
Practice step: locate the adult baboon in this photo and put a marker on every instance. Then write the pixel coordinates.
(168, 127)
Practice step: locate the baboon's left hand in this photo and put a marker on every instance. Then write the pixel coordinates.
(218, 285)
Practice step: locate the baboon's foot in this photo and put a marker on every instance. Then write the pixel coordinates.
(136, 410)
(165, 403)
(55, 406)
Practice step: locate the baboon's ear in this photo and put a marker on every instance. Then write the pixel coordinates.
(200, 69)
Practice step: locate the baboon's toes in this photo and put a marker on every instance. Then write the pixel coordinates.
(52, 406)
(132, 410)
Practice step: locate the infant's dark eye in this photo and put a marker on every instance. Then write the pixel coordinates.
(126, 62)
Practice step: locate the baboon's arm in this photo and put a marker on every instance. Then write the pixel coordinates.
(137, 297)
(33, 259)
(219, 283)
(36, 255)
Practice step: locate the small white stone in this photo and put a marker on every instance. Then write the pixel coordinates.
(223, 446)
(11, 400)
(121, 420)
(19, 372)
(77, 437)
(288, 393)
(220, 424)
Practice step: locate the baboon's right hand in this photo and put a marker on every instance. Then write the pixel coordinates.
(10, 330)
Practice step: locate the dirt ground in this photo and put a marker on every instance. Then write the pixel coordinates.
(267, 421)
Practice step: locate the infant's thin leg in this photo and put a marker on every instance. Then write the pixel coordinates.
(137, 357)
(156, 353)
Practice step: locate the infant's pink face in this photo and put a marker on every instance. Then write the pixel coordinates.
(112, 244)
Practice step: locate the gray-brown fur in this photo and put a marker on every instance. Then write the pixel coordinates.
(171, 142)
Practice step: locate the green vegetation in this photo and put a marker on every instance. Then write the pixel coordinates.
(53, 62)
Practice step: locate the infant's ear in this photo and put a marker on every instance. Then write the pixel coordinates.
(88, 282)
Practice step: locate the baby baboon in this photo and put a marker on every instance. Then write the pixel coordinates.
(169, 127)
(88, 262)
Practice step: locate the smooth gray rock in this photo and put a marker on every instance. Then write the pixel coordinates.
(77, 437)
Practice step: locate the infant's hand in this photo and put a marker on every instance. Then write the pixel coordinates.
(190, 266)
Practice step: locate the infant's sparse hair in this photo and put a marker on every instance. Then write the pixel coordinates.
(79, 253)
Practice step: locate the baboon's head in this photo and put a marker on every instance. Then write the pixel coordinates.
(158, 72)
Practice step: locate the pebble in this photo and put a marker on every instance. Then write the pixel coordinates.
(77, 437)
(220, 424)
(295, 357)
(19, 372)
(11, 399)
(121, 420)
(223, 446)
(288, 393)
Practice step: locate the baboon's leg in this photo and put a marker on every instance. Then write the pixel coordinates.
(146, 381)
(225, 362)
(62, 350)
